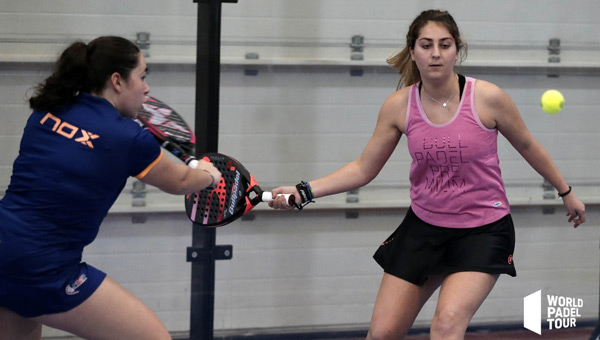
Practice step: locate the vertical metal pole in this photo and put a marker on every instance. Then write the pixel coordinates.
(596, 333)
(207, 130)
(208, 64)
(203, 252)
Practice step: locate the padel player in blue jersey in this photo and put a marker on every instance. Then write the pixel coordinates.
(78, 149)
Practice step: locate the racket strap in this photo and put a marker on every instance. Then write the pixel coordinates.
(306, 194)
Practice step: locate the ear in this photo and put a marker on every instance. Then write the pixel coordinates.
(412, 54)
(116, 82)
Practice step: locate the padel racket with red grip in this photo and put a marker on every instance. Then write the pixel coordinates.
(169, 129)
(236, 194)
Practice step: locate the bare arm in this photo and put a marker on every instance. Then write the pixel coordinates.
(179, 179)
(496, 109)
(366, 167)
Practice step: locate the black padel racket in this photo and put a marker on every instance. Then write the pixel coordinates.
(169, 129)
(236, 194)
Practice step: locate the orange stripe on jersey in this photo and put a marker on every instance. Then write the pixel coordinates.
(145, 172)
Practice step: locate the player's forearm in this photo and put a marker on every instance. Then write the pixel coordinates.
(540, 161)
(346, 178)
(194, 180)
(178, 179)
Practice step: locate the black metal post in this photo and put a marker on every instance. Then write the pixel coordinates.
(596, 333)
(203, 252)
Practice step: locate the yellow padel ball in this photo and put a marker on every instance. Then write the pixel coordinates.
(552, 101)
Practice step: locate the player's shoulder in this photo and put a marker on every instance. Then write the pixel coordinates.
(488, 88)
(393, 111)
(398, 99)
(490, 93)
(493, 104)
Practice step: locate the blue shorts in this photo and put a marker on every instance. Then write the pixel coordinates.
(65, 292)
(418, 249)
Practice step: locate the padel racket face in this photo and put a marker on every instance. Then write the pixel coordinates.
(236, 194)
(167, 125)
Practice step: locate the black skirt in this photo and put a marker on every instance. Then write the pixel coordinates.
(418, 249)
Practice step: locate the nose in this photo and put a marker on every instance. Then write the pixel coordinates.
(436, 52)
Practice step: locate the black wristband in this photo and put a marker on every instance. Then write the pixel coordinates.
(306, 194)
(565, 193)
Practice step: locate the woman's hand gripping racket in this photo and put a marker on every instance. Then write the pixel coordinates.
(236, 194)
(237, 189)
(169, 129)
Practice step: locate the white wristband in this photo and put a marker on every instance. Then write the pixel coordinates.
(193, 163)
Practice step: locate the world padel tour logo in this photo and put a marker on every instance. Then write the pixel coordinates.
(561, 311)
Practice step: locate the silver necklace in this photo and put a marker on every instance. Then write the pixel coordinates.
(444, 104)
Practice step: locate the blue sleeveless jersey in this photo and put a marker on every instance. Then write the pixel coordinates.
(71, 167)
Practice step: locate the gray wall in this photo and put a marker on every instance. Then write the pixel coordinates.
(302, 116)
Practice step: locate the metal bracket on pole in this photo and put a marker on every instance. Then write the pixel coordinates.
(197, 254)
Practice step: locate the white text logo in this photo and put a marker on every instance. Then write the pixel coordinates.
(562, 312)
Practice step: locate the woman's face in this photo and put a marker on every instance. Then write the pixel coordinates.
(435, 52)
(135, 89)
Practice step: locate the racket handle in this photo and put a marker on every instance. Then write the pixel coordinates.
(268, 196)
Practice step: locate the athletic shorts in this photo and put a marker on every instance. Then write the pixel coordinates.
(65, 292)
(418, 249)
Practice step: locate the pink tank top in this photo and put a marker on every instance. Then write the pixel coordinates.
(455, 174)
